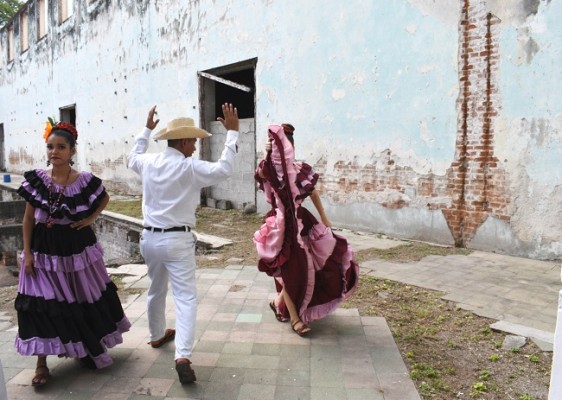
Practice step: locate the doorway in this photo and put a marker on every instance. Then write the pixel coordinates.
(2, 149)
(68, 114)
(234, 83)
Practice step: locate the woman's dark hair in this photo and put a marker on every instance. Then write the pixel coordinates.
(289, 129)
(65, 134)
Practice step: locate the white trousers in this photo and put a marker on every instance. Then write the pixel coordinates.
(171, 255)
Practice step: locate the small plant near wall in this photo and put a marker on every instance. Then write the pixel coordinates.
(478, 388)
(534, 358)
(484, 375)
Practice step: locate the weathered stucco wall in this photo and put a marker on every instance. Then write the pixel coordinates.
(529, 128)
(385, 97)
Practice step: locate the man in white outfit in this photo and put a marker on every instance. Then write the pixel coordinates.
(171, 184)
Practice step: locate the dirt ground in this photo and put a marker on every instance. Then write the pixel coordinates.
(450, 353)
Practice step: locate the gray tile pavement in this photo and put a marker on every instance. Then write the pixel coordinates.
(241, 352)
(520, 293)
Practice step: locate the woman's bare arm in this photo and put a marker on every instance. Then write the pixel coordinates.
(315, 197)
(27, 224)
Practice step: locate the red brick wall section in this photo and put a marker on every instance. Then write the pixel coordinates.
(385, 181)
(477, 181)
(475, 185)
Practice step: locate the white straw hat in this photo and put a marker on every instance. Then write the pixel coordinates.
(181, 128)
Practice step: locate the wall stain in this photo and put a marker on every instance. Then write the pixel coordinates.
(21, 156)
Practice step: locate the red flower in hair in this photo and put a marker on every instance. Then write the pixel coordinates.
(67, 127)
(51, 125)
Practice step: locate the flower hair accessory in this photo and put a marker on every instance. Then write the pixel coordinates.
(48, 128)
(51, 125)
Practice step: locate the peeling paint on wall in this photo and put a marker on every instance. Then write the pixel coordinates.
(525, 17)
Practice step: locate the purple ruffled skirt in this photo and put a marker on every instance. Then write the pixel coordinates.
(70, 306)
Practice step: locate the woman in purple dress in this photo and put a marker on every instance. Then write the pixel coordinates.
(66, 304)
(314, 268)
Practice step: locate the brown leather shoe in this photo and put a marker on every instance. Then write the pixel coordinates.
(185, 372)
(169, 335)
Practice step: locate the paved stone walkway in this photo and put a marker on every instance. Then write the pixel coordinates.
(241, 352)
(521, 294)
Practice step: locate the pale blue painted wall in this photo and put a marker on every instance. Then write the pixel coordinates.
(533, 91)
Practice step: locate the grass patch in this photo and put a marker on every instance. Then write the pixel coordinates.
(118, 280)
(130, 208)
(409, 252)
(446, 349)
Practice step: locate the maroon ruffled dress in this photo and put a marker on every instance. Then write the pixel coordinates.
(316, 267)
(70, 307)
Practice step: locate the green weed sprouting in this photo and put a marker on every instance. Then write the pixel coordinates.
(484, 375)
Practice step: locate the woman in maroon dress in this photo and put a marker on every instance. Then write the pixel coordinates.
(314, 269)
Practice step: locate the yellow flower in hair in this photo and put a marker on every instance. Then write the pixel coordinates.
(48, 129)
(49, 125)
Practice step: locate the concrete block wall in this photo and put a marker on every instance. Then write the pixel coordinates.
(12, 211)
(119, 236)
(240, 188)
(11, 242)
(11, 239)
(8, 195)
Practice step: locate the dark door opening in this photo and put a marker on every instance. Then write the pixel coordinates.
(2, 149)
(244, 101)
(234, 83)
(68, 114)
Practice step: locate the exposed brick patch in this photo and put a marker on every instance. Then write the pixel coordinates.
(384, 181)
(477, 180)
(117, 187)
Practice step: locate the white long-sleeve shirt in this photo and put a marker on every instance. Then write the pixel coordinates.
(172, 183)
